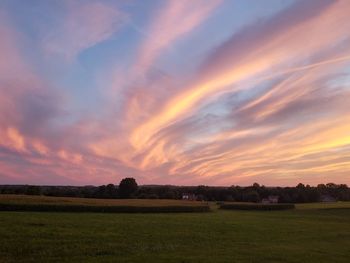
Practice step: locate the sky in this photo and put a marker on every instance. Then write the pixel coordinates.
(200, 92)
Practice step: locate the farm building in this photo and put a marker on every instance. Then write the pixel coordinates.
(327, 198)
(189, 197)
(271, 199)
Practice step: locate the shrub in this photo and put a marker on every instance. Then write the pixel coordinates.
(257, 206)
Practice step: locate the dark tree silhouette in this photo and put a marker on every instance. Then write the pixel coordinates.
(127, 187)
(33, 190)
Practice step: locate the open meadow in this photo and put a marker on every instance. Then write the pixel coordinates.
(309, 233)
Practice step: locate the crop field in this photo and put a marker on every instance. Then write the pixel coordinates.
(309, 233)
(64, 204)
(32, 199)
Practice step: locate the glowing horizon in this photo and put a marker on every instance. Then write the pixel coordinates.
(175, 92)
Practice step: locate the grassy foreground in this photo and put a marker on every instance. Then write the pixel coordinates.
(306, 234)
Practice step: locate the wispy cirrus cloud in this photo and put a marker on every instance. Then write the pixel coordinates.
(251, 56)
(37, 141)
(172, 22)
(84, 25)
(279, 49)
(270, 104)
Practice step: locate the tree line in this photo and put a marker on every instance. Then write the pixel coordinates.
(128, 188)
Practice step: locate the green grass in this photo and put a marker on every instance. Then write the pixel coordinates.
(306, 234)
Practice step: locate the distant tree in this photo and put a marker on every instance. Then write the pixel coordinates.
(110, 191)
(285, 198)
(300, 197)
(152, 196)
(200, 197)
(251, 196)
(256, 186)
(169, 195)
(300, 186)
(322, 188)
(127, 187)
(228, 198)
(312, 194)
(254, 193)
(101, 191)
(331, 185)
(33, 190)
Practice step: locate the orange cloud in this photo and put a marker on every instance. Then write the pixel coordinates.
(15, 139)
(277, 49)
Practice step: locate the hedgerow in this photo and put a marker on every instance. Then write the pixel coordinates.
(257, 206)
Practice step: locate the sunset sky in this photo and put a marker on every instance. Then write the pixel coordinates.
(181, 92)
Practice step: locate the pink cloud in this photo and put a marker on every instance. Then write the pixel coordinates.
(173, 21)
(290, 125)
(278, 48)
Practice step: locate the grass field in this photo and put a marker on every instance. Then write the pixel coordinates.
(310, 233)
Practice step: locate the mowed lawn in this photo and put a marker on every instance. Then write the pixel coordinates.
(310, 233)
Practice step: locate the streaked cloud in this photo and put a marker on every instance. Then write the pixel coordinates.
(270, 104)
(84, 25)
(172, 21)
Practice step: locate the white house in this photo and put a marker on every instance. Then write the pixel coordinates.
(189, 197)
(272, 199)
